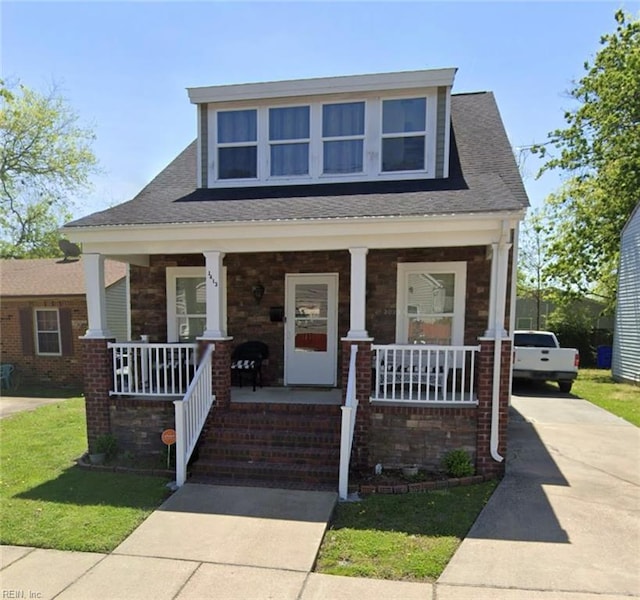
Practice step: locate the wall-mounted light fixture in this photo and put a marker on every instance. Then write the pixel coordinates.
(258, 291)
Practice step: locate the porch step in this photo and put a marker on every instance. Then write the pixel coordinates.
(284, 455)
(297, 445)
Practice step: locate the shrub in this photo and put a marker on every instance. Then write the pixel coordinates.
(107, 445)
(457, 463)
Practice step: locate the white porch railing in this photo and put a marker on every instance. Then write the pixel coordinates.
(349, 413)
(417, 373)
(191, 413)
(144, 369)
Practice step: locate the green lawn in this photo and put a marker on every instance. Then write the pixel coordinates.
(621, 399)
(48, 502)
(406, 537)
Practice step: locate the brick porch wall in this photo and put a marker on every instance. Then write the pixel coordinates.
(485, 465)
(98, 374)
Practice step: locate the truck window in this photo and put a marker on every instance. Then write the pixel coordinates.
(533, 340)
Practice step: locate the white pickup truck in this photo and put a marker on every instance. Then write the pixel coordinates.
(537, 356)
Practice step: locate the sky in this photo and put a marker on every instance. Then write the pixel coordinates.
(124, 66)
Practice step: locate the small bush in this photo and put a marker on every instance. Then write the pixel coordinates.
(107, 445)
(457, 463)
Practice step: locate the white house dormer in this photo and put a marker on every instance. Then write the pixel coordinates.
(379, 127)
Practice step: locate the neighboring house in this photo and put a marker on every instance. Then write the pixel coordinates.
(43, 313)
(371, 211)
(625, 360)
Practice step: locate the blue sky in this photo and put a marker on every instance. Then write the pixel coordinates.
(124, 66)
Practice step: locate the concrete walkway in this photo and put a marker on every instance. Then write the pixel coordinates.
(565, 521)
(563, 525)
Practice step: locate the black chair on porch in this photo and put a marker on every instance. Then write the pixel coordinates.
(247, 358)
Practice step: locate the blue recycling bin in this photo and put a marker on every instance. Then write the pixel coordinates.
(603, 357)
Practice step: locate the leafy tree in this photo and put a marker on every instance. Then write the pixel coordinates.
(600, 149)
(45, 158)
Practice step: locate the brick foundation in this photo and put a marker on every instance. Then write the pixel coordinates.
(98, 373)
(485, 464)
(138, 423)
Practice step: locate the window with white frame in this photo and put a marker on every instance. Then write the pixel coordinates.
(289, 140)
(353, 140)
(187, 303)
(404, 130)
(343, 137)
(47, 331)
(237, 144)
(431, 303)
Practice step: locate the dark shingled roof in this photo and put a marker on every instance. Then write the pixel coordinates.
(483, 177)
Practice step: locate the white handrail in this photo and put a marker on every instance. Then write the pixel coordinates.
(143, 369)
(419, 374)
(349, 413)
(191, 414)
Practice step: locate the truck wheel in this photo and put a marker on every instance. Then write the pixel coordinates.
(565, 386)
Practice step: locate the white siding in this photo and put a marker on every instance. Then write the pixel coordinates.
(626, 342)
(116, 301)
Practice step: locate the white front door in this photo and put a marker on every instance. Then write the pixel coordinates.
(311, 329)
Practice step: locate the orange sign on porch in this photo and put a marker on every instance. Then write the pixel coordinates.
(168, 437)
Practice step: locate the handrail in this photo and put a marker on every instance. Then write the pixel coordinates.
(144, 369)
(191, 414)
(349, 413)
(419, 374)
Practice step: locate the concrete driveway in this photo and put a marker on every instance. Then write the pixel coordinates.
(10, 405)
(566, 517)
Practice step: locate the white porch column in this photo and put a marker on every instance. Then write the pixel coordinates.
(357, 329)
(215, 327)
(96, 303)
(498, 289)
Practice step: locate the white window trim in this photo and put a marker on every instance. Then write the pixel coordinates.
(173, 273)
(36, 331)
(372, 159)
(459, 270)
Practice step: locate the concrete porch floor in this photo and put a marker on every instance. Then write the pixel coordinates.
(287, 395)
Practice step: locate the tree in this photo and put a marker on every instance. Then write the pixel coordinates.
(45, 158)
(600, 150)
(532, 258)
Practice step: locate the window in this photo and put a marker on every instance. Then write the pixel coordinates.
(404, 125)
(47, 331)
(343, 137)
(430, 303)
(322, 141)
(289, 140)
(237, 144)
(187, 303)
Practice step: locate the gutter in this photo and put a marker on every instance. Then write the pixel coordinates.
(501, 255)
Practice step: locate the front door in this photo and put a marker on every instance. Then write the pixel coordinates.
(311, 332)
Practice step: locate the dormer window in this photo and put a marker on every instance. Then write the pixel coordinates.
(404, 130)
(289, 136)
(343, 138)
(237, 144)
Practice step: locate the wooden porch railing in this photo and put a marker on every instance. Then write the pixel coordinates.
(422, 374)
(144, 369)
(349, 413)
(191, 413)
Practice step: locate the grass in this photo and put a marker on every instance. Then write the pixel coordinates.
(47, 501)
(621, 399)
(408, 537)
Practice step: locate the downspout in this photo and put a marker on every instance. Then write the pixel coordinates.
(501, 255)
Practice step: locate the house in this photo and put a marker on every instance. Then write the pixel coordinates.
(625, 359)
(43, 314)
(363, 228)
